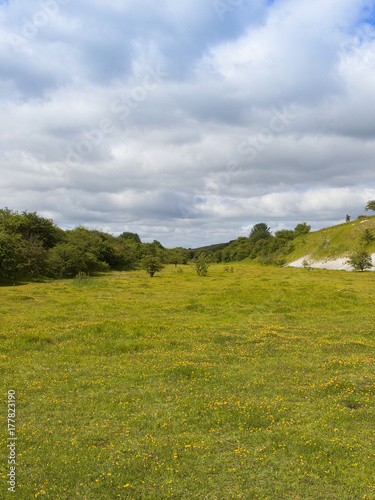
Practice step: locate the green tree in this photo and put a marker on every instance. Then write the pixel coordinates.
(66, 260)
(360, 261)
(302, 228)
(367, 236)
(370, 205)
(259, 232)
(261, 248)
(155, 249)
(130, 236)
(31, 237)
(151, 264)
(177, 256)
(31, 225)
(122, 257)
(240, 248)
(11, 257)
(218, 256)
(81, 253)
(34, 256)
(133, 248)
(116, 252)
(200, 265)
(226, 254)
(285, 234)
(157, 244)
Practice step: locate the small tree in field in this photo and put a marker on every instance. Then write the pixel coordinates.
(360, 261)
(200, 265)
(370, 206)
(151, 264)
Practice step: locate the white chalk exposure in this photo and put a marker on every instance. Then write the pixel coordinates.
(339, 264)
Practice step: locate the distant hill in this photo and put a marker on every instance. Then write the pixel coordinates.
(334, 244)
(211, 248)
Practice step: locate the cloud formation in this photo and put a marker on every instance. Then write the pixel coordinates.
(187, 121)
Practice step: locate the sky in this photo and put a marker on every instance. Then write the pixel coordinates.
(187, 121)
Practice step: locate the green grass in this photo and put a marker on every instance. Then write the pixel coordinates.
(252, 384)
(333, 242)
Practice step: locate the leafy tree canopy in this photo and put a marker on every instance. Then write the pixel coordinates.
(285, 234)
(370, 205)
(367, 236)
(130, 236)
(31, 225)
(201, 264)
(11, 256)
(302, 228)
(360, 261)
(151, 264)
(157, 244)
(259, 232)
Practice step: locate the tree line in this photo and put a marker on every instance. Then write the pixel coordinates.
(261, 244)
(33, 248)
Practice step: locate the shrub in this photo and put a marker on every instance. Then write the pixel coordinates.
(367, 236)
(302, 228)
(66, 260)
(151, 264)
(360, 261)
(200, 265)
(306, 265)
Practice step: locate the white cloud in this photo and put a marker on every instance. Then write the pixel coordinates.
(169, 121)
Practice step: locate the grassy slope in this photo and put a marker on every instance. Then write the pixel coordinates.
(334, 242)
(252, 384)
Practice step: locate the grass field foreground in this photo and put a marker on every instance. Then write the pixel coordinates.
(252, 384)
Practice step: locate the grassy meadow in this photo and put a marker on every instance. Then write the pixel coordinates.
(256, 383)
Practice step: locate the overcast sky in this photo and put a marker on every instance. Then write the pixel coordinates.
(187, 121)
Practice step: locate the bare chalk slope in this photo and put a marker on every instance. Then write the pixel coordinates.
(339, 264)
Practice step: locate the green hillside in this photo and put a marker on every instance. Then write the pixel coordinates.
(334, 242)
(288, 245)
